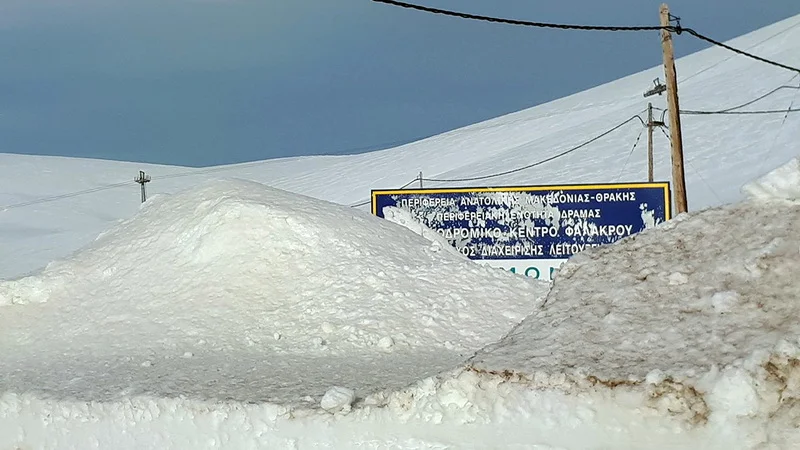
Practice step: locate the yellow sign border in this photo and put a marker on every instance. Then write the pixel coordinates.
(565, 187)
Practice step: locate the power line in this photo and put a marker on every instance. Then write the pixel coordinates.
(265, 161)
(190, 173)
(239, 166)
(624, 166)
(367, 202)
(740, 113)
(526, 23)
(728, 58)
(374, 147)
(531, 165)
(777, 135)
(735, 50)
(63, 196)
(762, 97)
(699, 175)
(678, 29)
(733, 109)
(538, 163)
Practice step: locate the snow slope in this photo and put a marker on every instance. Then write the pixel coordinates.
(723, 152)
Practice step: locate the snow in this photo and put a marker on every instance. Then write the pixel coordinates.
(700, 313)
(455, 414)
(261, 311)
(337, 398)
(715, 286)
(404, 218)
(231, 290)
(198, 324)
(781, 184)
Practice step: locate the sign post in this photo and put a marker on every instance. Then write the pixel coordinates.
(531, 230)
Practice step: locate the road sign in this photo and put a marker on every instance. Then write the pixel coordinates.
(532, 229)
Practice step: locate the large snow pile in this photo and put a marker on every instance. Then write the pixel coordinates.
(243, 292)
(700, 316)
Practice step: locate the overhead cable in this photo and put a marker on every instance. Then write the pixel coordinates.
(527, 23)
(63, 196)
(538, 163)
(678, 29)
(367, 202)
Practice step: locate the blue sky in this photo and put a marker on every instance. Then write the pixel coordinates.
(204, 82)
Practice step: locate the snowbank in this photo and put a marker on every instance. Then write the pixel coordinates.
(239, 291)
(458, 410)
(700, 314)
(781, 184)
(461, 409)
(683, 336)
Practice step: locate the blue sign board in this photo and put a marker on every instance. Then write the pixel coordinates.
(513, 226)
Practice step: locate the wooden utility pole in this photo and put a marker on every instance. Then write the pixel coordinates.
(420, 180)
(142, 179)
(650, 125)
(650, 142)
(678, 179)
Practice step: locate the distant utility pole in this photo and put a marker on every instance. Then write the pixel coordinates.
(420, 180)
(678, 179)
(142, 179)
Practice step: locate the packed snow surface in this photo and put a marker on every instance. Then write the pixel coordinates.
(244, 292)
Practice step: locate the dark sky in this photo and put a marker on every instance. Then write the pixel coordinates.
(205, 82)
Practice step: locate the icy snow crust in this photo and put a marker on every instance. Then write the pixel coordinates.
(238, 291)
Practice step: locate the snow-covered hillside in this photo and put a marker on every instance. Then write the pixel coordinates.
(258, 313)
(722, 151)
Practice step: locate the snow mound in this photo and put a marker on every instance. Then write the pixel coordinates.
(781, 184)
(245, 287)
(701, 313)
